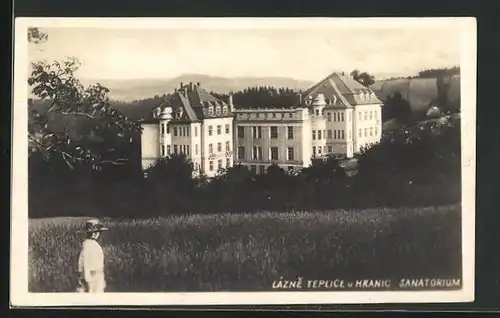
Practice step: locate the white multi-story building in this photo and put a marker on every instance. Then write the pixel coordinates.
(194, 123)
(338, 115)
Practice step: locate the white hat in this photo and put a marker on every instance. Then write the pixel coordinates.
(93, 225)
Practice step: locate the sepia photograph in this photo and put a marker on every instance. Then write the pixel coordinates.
(224, 161)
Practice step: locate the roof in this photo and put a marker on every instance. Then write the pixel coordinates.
(342, 91)
(191, 103)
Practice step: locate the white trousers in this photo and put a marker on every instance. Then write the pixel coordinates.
(96, 284)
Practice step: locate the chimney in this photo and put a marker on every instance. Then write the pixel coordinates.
(182, 84)
(198, 84)
(190, 86)
(299, 98)
(231, 105)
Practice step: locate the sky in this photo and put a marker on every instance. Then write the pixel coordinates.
(303, 54)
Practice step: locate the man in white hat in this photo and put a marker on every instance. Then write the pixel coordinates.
(91, 260)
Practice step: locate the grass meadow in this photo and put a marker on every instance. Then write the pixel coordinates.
(240, 252)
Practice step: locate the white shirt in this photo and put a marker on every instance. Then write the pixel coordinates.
(91, 257)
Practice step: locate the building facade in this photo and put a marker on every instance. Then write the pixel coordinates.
(338, 115)
(194, 123)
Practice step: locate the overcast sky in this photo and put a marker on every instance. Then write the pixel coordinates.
(301, 53)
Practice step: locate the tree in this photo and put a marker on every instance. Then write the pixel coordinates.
(363, 78)
(95, 134)
(397, 107)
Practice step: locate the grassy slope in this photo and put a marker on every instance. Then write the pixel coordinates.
(419, 91)
(249, 251)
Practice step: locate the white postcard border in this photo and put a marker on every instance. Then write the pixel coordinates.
(19, 210)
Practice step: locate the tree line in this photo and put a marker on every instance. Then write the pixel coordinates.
(414, 166)
(262, 96)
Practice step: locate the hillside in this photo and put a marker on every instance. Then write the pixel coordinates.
(420, 92)
(134, 89)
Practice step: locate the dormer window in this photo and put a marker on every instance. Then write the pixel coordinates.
(224, 110)
(210, 110)
(217, 110)
(179, 113)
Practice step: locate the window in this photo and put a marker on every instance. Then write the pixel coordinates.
(196, 131)
(290, 132)
(376, 131)
(290, 154)
(371, 131)
(217, 110)
(210, 129)
(341, 116)
(262, 169)
(319, 150)
(162, 129)
(175, 131)
(335, 134)
(366, 115)
(241, 152)
(314, 150)
(330, 149)
(219, 130)
(274, 153)
(211, 165)
(274, 132)
(319, 134)
(183, 149)
(257, 153)
(274, 115)
(360, 133)
(314, 134)
(175, 149)
(241, 132)
(342, 134)
(329, 134)
(257, 132)
(210, 148)
(317, 112)
(366, 132)
(187, 131)
(196, 149)
(228, 148)
(219, 147)
(162, 150)
(329, 116)
(290, 115)
(219, 164)
(371, 115)
(335, 116)
(224, 110)
(168, 150)
(211, 110)
(228, 162)
(227, 129)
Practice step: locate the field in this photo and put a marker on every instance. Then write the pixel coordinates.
(249, 251)
(420, 92)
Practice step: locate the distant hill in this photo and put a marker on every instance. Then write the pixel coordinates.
(420, 92)
(135, 89)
